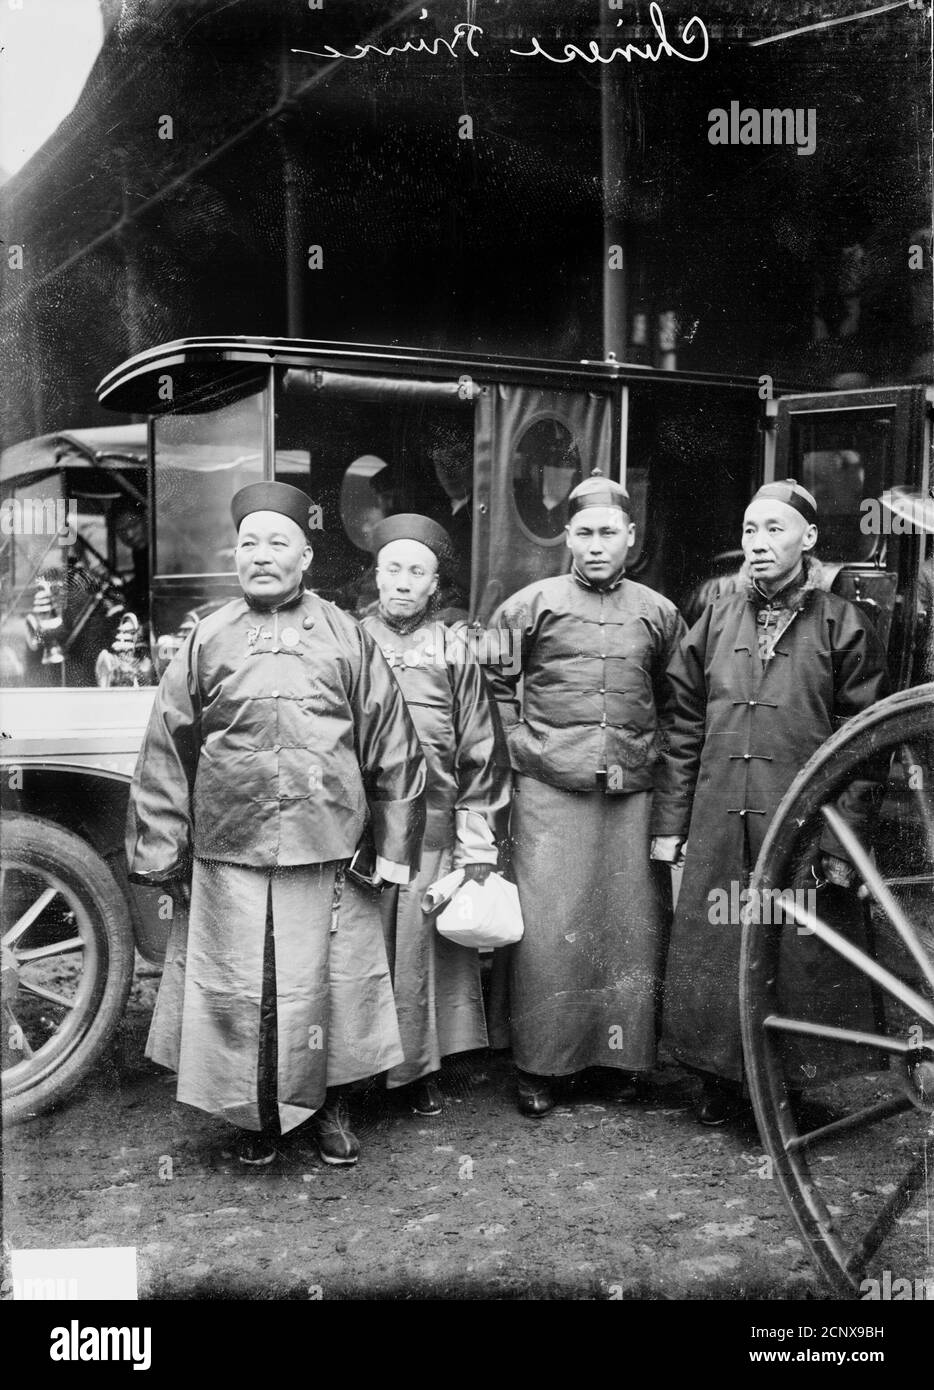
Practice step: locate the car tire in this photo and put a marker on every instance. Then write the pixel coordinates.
(65, 892)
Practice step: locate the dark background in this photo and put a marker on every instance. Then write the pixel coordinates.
(772, 261)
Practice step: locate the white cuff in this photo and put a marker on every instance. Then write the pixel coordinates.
(392, 872)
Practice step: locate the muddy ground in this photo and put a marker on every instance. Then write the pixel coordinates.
(598, 1200)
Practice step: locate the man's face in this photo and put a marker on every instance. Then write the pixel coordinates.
(271, 556)
(599, 539)
(406, 577)
(131, 529)
(775, 537)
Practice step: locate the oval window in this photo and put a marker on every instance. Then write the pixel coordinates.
(546, 467)
(363, 503)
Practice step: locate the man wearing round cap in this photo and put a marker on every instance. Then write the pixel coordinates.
(436, 982)
(580, 988)
(758, 684)
(277, 734)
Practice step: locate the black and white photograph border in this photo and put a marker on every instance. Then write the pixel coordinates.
(487, 438)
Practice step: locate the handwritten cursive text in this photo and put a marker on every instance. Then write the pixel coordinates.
(432, 46)
(694, 31)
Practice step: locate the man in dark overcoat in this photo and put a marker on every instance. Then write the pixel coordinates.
(761, 680)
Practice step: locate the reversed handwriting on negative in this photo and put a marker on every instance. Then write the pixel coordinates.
(432, 46)
(694, 46)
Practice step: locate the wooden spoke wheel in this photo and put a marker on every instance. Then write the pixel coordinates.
(837, 999)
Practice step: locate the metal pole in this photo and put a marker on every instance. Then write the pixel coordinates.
(292, 208)
(613, 160)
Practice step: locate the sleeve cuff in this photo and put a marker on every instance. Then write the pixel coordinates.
(475, 843)
(392, 872)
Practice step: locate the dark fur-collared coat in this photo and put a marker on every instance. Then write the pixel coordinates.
(739, 729)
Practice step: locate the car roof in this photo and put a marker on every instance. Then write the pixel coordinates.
(103, 446)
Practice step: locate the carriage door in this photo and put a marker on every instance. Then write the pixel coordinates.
(533, 446)
(865, 455)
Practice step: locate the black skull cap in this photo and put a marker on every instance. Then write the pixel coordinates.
(272, 497)
(412, 526)
(598, 491)
(790, 491)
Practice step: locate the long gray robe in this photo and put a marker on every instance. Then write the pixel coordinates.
(437, 982)
(335, 1018)
(581, 988)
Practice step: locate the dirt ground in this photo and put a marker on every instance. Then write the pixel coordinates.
(598, 1200)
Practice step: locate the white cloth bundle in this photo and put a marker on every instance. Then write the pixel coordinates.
(440, 893)
(481, 915)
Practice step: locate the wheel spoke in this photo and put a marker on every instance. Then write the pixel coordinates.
(27, 1046)
(868, 873)
(29, 916)
(55, 948)
(899, 1201)
(924, 1008)
(46, 993)
(906, 881)
(860, 1119)
(910, 759)
(844, 1035)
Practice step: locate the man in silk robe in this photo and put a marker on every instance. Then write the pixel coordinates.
(277, 735)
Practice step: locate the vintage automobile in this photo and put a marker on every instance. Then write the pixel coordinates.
(74, 606)
(74, 554)
(492, 448)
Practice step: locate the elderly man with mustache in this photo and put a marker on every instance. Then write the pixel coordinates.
(277, 736)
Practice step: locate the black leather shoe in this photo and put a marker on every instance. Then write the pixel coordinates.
(719, 1103)
(426, 1097)
(534, 1095)
(255, 1150)
(331, 1128)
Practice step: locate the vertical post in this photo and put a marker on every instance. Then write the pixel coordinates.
(269, 427)
(292, 206)
(613, 161)
(623, 433)
(294, 251)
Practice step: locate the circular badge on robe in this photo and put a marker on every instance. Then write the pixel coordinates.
(289, 637)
